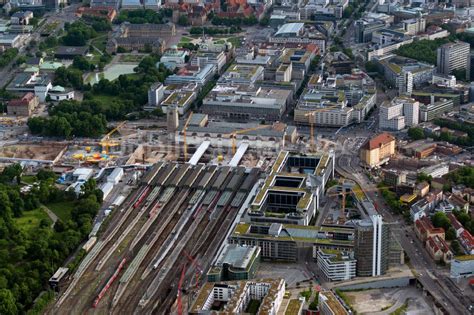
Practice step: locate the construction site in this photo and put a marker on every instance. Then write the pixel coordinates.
(157, 248)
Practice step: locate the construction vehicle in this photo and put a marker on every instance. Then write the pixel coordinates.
(311, 120)
(184, 136)
(233, 135)
(105, 143)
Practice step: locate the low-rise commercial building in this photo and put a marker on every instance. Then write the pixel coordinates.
(329, 304)
(180, 99)
(378, 150)
(58, 93)
(462, 266)
(23, 106)
(234, 297)
(236, 262)
(336, 265)
(299, 33)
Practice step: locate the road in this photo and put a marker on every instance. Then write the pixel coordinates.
(8, 72)
(428, 274)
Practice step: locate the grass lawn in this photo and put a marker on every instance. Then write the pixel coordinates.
(219, 42)
(61, 209)
(30, 220)
(131, 58)
(236, 41)
(50, 27)
(104, 98)
(29, 179)
(185, 40)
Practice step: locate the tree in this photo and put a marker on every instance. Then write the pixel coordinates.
(450, 234)
(440, 219)
(457, 250)
(460, 74)
(81, 63)
(183, 20)
(416, 133)
(7, 303)
(423, 177)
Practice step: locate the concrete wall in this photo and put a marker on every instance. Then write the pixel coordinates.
(378, 284)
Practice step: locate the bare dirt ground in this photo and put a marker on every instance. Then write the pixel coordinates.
(386, 301)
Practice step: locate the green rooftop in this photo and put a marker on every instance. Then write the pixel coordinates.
(464, 257)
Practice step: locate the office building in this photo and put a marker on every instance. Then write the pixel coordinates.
(336, 265)
(462, 266)
(337, 100)
(236, 262)
(155, 94)
(246, 103)
(371, 246)
(394, 177)
(405, 83)
(378, 150)
(203, 58)
(454, 56)
(242, 74)
(174, 57)
(234, 297)
(405, 74)
(435, 108)
(190, 74)
(444, 80)
(283, 242)
(364, 28)
(401, 112)
(414, 26)
(294, 188)
(181, 100)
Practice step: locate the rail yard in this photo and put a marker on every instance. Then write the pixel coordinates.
(161, 242)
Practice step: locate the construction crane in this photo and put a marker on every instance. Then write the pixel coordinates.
(184, 136)
(180, 284)
(194, 263)
(233, 135)
(362, 190)
(311, 118)
(105, 142)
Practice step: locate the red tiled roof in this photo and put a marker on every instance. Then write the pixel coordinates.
(378, 141)
(454, 221)
(22, 101)
(467, 240)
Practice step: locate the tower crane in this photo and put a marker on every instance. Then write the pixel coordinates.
(233, 135)
(185, 127)
(311, 119)
(105, 142)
